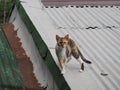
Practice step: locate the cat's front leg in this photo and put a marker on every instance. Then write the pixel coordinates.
(63, 71)
(62, 65)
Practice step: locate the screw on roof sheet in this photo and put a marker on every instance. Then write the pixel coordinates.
(51, 6)
(66, 6)
(101, 6)
(81, 6)
(106, 6)
(111, 6)
(96, 6)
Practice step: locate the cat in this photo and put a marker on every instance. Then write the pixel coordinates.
(65, 49)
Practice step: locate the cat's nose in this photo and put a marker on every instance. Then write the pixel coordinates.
(62, 46)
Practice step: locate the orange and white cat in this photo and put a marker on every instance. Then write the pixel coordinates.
(65, 49)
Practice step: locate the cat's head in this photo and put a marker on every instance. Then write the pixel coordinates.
(62, 41)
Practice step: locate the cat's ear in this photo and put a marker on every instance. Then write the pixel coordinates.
(57, 37)
(67, 36)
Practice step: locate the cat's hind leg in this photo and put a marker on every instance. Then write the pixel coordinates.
(75, 54)
(69, 58)
(81, 64)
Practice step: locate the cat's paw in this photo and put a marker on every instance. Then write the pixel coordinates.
(63, 72)
(80, 70)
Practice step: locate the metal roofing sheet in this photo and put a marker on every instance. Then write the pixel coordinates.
(10, 76)
(95, 30)
(82, 18)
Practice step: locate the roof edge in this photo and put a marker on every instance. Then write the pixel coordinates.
(81, 3)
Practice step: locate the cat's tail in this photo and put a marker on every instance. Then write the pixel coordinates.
(87, 61)
(84, 59)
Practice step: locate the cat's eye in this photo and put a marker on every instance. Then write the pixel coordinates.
(64, 42)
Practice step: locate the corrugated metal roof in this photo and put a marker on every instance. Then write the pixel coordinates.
(85, 18)
(95, 30)
(10, 76)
